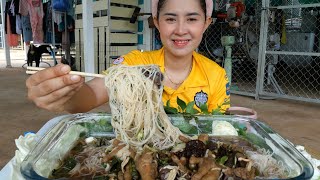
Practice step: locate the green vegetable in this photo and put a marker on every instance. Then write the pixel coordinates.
(170, 110)
(69, 164)
(185, 108)
(140, 135)
(223, 160)
(255, 139)
(181, 104)
(204, 109)
(218, 110)
(186, 127)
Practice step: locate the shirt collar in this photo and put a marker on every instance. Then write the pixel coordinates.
(197, 76)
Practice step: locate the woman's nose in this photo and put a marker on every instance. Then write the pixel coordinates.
(181, 28)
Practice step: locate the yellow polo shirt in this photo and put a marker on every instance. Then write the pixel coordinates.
(206, 83)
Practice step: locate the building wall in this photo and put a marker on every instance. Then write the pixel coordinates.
(114, 35)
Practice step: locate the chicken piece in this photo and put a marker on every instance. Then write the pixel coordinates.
(240, 172)
(204, 138)
(127, 175)
(244, 173)
(181, 164)
(194, 161)
(146, 165)
(115, 142)
(115, 150)
(120, 175)
(205, 165)
(183, 161)
(184, 139)
(213, 174)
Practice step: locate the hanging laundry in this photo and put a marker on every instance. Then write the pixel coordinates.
(24, 7)
(61, 5)
(35, 9)
(11, 20)
(36, 15)
(26, 29)
(12, 39)
(18, 24)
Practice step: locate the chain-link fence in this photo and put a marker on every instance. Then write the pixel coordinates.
(245, 48)
(276, 48)
(275, 51)
(290, 66)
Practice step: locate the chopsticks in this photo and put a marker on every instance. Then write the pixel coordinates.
(33, 70)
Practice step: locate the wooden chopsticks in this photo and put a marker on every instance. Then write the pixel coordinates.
(33, 70)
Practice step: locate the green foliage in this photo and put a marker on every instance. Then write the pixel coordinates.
(254, 139)
(223, 160)
(188, 111)
(181, 104)
(218, 110)
(185, 127)
(185, 108)
(251, 137)
(204, 109)
(170, 110)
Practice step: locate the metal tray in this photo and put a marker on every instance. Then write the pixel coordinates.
(61, 138)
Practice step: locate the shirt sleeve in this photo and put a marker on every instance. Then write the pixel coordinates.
(134, 57)
(221, 100)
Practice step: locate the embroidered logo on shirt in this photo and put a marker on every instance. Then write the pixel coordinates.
(228, 89)
(119, 60)
(200, 98)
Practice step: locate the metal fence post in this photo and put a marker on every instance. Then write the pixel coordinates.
(88, 36)
(5, 41)
(262, 48)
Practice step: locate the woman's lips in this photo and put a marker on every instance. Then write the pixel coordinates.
(180, 43)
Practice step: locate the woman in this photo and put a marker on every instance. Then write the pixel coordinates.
(187, 74)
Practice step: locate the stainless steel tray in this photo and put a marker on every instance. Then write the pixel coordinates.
(61, 138)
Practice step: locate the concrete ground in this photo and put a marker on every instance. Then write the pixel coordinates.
(299, 122)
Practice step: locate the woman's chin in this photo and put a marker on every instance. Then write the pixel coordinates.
(180, 52)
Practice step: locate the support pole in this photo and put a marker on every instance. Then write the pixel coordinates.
(88, 36)
(147, 32)
(5, 43)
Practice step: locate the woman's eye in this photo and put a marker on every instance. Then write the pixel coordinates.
(192, 19)
(170, 19)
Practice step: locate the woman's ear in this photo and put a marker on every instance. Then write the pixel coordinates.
(207, 23)
(156, 22)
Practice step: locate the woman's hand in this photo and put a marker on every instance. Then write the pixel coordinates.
(53, 87)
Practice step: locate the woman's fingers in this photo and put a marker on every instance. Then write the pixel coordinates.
(56, 96)
(51, 88)
(54, 84)
(46, 74)
(59, 105)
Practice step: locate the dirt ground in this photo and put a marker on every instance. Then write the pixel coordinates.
(297, 121)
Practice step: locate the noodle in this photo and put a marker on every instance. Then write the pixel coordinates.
(266, 164)
(89, 162)
(136, 106)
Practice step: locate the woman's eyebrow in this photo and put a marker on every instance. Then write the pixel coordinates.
(188, 14)
(170, 14)
(193, 14)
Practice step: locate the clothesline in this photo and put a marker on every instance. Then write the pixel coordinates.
(39, 22)
(88, 48)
